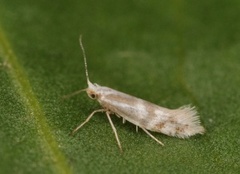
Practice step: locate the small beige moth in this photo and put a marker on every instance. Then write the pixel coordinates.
(182, 122)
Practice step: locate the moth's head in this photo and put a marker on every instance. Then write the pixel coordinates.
(92, 90)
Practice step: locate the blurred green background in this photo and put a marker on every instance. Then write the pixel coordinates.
(171, 53)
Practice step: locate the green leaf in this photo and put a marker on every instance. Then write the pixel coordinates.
(171, 53)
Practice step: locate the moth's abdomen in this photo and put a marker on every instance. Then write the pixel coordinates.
(183, 123)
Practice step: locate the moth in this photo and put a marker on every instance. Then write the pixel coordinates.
(182, 122)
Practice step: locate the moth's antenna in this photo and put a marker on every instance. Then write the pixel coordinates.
(72, 94)
(85, 59)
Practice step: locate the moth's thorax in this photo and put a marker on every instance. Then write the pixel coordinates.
(107, 96)
(102, 92)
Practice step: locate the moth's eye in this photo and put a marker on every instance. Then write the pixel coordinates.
(93, 96)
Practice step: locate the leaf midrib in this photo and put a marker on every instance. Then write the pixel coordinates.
(32, 105)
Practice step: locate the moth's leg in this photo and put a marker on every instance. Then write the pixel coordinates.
(115, 131)
(124, 121)
(152, 136)
(88, 118)
(136, 128)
